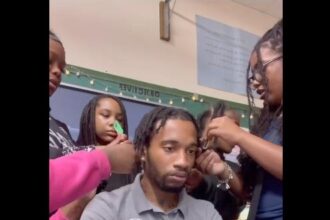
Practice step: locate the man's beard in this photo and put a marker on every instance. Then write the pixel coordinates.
(160, 181)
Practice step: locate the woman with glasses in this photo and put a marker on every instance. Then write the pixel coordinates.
(260, 178)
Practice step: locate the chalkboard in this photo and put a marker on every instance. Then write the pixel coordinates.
(67, 104)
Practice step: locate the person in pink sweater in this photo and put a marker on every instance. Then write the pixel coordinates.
(70, 173)
(74, 175)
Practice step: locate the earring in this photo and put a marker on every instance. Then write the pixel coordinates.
(142, 161)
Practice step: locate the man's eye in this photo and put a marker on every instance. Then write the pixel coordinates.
(192, 151)
(168, 149)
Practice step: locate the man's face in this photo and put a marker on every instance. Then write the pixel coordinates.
(171, 155)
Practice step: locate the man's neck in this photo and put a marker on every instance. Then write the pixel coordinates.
(164, 200)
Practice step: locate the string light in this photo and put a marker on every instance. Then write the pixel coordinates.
(102, 82)
(106, 88)
(194, 97)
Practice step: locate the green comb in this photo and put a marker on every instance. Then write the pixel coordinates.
(118, 128)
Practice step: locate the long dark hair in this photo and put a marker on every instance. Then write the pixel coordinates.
(87, 133)
(272, 39)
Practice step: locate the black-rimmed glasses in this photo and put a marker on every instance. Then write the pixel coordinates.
(258, 76)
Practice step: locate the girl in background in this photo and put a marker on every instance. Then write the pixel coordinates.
(97, 128)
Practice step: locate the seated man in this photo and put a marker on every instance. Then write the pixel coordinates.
(166, 141)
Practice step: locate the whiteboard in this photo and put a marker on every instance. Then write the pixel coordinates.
(222, 55)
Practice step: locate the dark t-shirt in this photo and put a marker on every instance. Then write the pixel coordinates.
(271, 198)
(60, 140)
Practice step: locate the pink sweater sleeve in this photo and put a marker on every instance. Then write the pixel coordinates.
(74, 175)
(58, 216)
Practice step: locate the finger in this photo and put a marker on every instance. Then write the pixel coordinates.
(212, 132)
(204, 162)
(210, 165)
(123, 136)
(116, 140)
(127, 142)
(202, 156)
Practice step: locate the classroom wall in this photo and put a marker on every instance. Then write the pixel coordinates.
(121, 37)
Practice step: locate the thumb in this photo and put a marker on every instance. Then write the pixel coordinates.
(117, 140)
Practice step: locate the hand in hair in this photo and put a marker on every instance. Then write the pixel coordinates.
(209, 162)
(122, 157)
(226, 129)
